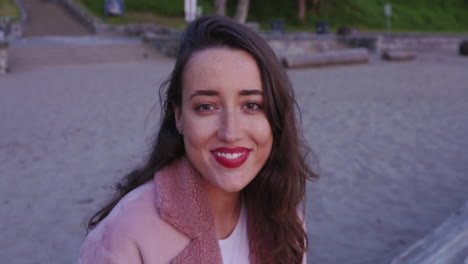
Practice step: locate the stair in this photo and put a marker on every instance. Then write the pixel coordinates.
(50, 18)
(34, 53)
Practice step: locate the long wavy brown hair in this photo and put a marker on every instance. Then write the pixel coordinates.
(276, 230)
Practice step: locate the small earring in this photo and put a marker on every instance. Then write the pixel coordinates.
(181, 132)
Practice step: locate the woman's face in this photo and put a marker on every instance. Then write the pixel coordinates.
(227, 135)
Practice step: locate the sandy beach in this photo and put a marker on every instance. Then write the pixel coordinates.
(391, 141)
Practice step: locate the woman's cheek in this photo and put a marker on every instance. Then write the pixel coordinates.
(262, 130)
(198, 130)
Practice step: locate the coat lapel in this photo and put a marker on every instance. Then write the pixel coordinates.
(182, 202)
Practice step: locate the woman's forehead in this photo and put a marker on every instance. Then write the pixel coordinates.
(223, 70)
(221, 56)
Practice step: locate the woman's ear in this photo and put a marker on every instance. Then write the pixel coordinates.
(178, 118)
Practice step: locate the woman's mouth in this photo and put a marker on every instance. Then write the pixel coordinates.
(231, 157)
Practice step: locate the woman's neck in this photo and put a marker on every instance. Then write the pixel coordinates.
(226, 208)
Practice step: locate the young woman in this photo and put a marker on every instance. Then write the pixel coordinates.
(228, 168)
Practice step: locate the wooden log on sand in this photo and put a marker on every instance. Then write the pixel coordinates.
(447, 244)
(395, 55)
(3, 57)
(464, 48)
(360, 55)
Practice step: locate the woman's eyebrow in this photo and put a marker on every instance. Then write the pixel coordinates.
(204, 92)
(251, 92)
(215, 93)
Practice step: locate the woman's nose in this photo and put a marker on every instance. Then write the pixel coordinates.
(230, 129)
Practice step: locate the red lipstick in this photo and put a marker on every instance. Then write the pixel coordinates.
(231, 157)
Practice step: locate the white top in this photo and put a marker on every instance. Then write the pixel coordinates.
(235, 248)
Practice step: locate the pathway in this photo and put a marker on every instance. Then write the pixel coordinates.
(48, 17)
(35, 53)
(392, 141)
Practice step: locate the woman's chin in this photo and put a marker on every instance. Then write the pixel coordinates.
(230, 187)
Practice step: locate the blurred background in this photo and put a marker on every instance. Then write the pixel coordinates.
(382, 87)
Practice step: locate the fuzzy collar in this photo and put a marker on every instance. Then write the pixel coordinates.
(182, 202)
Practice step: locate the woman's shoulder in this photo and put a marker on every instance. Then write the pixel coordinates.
(134, 207)
(133, 230)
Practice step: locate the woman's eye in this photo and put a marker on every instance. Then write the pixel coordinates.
(252, 106)
(204, 108)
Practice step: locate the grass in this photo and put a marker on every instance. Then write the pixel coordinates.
(175, 22)
(406, 16)
(438, 16)
(9, 9)
(96, 8)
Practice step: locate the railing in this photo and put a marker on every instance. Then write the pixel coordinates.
(5, 27)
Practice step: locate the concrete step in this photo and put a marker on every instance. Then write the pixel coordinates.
(28, 57)
(74, 40)
(446, 244)
(49, 17)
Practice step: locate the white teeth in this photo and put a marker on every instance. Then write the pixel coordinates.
(229, 155)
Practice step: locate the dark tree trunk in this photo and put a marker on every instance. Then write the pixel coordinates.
(301, 10)
(220, 6)
(242, 11)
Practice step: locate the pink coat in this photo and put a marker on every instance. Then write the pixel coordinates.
(167, 220)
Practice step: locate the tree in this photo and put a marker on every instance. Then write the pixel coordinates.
(314, 6)
(301, 10)
(242, 11)
(220, 6)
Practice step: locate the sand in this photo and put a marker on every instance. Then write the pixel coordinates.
(391, 140)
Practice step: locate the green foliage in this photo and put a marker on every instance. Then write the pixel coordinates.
(415, 15)
(9, 9)
(265, 10)
(160, 7)
(207, 6)
(163, 7)
(95, 6)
